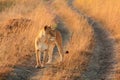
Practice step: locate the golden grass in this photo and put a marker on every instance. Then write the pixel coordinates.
(107, 12)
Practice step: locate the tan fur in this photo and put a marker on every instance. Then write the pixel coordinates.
(45, 42)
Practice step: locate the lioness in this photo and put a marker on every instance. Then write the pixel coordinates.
(45, 42)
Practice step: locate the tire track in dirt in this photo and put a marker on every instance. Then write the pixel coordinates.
(101, 62)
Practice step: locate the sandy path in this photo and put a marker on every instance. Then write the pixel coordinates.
(102, 60)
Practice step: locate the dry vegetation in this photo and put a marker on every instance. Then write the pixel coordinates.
(19, 25)
(5, 4)
(107, 12)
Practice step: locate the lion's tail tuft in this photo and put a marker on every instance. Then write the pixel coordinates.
(67, 52)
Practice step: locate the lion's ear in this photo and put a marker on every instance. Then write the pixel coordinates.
(45, 27)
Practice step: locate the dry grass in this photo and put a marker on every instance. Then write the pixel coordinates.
(108, 13)
(5, 4)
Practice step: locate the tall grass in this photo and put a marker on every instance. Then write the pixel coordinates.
(107, 12)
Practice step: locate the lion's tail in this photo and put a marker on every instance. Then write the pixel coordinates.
(66, 52)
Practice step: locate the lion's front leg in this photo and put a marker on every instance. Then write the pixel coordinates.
(44, 57)
(50, 53)
(38, 59)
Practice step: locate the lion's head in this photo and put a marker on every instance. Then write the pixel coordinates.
(51, 33)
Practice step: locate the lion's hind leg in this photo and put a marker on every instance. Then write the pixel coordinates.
(60, 52)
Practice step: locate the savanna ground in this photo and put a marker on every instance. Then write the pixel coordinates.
(90, 31)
